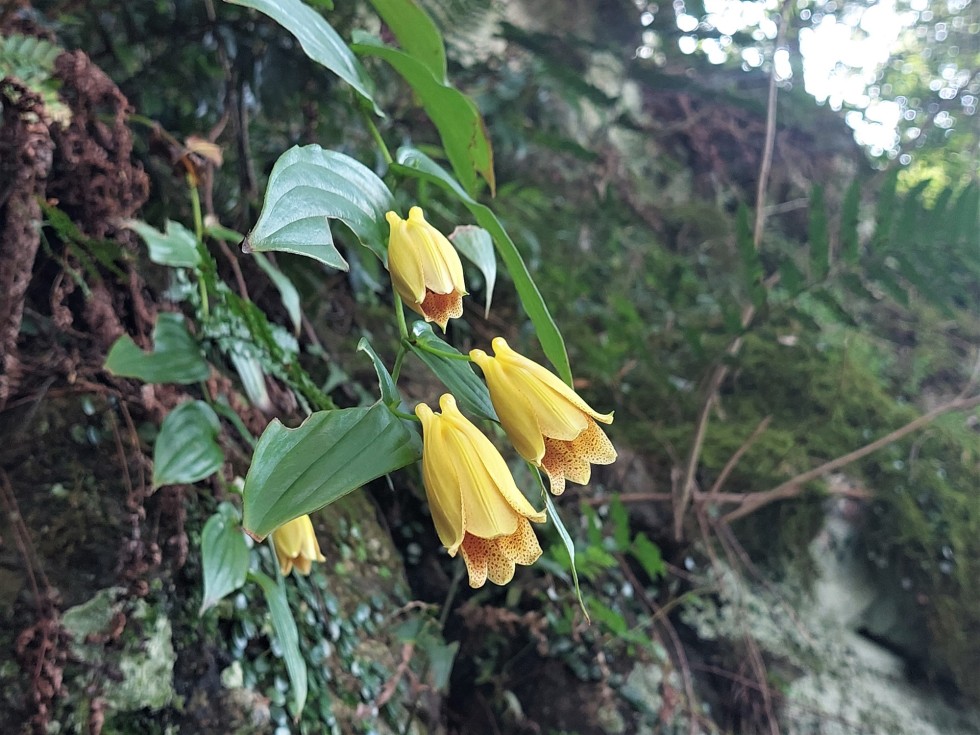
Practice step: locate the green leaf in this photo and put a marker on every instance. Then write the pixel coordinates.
(224, 555)
(297, 471)
(565, 537)
(476, 245)
(620, 523)
(185, 449)
(791, 278)
(286, 632)
(176, 356)
(177, 247)
(412, 162)
(389, 391)
(604, 614)
(457, 374)
(648, 555)
(309, 185)
(319, 41)
(250, 371)
(849, 223)
(819, 239)
(417, 34)
(455, 115)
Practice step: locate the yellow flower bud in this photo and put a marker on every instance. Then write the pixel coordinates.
(548, 423)
(425, 268)
(475, 504)
(296, 545)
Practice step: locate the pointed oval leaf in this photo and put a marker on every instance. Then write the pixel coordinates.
(176, 355)
(416, 32)
(285, 629)
(456, 117)
(319, 41)
(414, 163)
(456, 374)
(476, 245)
(307, 187)
(297, 471)
(224, 555)
(185, 450)
(176, 247)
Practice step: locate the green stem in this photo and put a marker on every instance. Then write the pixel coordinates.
(199, 233)
(397, 369)
(400, 316)
(448, 355)
(376, 134)
(406, 416)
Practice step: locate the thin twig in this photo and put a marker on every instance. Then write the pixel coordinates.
(751, 502)
(734, 460)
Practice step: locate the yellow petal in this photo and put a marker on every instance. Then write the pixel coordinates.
(503, 352)
(493, 465)
(555, 415)
(441, 267)
(442, 488)
(512, 409)
(404, 262)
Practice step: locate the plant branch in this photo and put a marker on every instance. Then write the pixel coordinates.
(751, 502)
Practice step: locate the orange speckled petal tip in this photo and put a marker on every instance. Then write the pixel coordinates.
(441, 307)
(495, 559)
(573, 460)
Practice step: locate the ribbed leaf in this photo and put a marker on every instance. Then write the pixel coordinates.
(412, 162)
(224, 555)
(455, 115)
(476, 245)
(176, 356)
(456, 375)
(286, 632)
(185, 450)
(307, 187)
(297, 471)
(319, 41)
(417, 34)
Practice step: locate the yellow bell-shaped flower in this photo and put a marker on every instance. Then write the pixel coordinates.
(548, 423)
(425, 268)
(296, 545)
(475, 504)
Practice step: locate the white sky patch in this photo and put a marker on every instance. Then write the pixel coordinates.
(842, 54)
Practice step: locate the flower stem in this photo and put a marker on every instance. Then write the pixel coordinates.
(441, 353)
(199, 234)
(376, 134)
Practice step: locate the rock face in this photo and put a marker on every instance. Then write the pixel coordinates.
(840, 681)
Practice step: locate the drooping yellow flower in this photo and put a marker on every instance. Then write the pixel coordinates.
(475, 504)
(425, 268)
(296, 545)
(548, 423)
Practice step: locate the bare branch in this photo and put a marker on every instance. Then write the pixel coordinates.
(751, 502)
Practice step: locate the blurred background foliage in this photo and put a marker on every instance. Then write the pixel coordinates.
(628, 141)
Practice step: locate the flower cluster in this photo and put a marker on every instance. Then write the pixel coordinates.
(476, 506)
